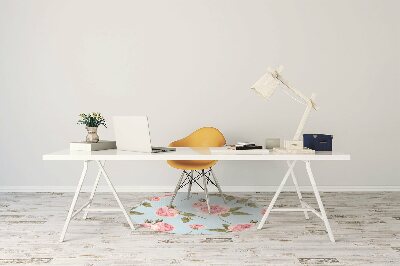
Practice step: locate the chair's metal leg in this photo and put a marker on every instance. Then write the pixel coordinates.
(177, 188)
(96, 182)
(278, 191)
(320, 205)
(71, 209)
(298, 191)
(190, 184)
(205, 189)
(197, 178)
(128, 219)
(217, 183)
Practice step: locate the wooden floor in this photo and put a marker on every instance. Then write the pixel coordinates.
(366, 226)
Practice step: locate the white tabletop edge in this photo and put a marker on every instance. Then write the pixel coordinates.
(188, 154)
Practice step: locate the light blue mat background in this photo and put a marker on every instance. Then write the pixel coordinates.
(240, 214)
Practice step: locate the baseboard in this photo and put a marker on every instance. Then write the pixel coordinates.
(171, 188)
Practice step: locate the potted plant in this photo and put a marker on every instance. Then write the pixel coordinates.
(92, 121)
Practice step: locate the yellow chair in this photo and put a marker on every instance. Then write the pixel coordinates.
(194, 170)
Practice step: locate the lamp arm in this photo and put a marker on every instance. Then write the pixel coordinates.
(309, 102)
(310, 105)
(297, 92)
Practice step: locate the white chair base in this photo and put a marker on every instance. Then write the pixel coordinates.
(193, 176)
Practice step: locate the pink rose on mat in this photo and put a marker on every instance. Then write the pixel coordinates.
(239, 227)
(155, 199)
(199, 204)
(196, 226)
(146, 225)
(162, 227)
(214, 209)
(167, 212)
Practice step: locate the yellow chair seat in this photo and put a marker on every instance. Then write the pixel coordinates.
(191, 165)
(203, 137)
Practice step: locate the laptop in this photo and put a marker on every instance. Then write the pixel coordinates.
(132, 133)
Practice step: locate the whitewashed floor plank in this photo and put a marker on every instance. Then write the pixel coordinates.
(366, 226)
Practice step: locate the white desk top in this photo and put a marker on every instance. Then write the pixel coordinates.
(189, 154)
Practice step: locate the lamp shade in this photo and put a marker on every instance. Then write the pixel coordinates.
(267, 84)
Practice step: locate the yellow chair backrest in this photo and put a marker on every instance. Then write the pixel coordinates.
(203, 137)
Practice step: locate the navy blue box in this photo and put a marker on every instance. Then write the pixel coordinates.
(318, 142)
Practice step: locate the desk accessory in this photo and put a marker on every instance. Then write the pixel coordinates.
(266, 86)
(92, 121)
(318, 142)
(233, 151)
(247, 146)
(88, 146)
(293, 144)
(244, 143)
(272, 143)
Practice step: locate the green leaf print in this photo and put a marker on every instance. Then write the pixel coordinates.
(229, 198)
(136, 213)
(241, 200)
(185, 219)
(218, 230)
(234, 209)
(146, 204)
(251, 204)
(240, 213)
(187, 214)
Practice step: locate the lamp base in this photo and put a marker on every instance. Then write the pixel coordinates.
(293, 151)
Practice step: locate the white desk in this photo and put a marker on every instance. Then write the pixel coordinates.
(100, 157)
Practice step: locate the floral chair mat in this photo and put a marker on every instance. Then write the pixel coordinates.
(190, 216)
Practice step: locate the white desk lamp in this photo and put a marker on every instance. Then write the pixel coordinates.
(266, 86)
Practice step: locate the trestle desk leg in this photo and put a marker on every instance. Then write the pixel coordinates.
(71, 209)
(320, 205)
(271, 205)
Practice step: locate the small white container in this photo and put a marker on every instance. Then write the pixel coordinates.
(293, 144)
(271, 143)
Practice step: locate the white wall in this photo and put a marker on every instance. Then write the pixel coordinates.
(188, 64)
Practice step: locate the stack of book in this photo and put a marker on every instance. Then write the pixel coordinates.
(247, 146)
(98, 146)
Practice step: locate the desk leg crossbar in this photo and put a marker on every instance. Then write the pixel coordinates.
(87, 206)
(305, 207)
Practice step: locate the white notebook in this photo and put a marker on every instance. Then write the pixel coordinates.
(225, 150)
(86, 146)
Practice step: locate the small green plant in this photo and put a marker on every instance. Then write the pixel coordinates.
(92, 120)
